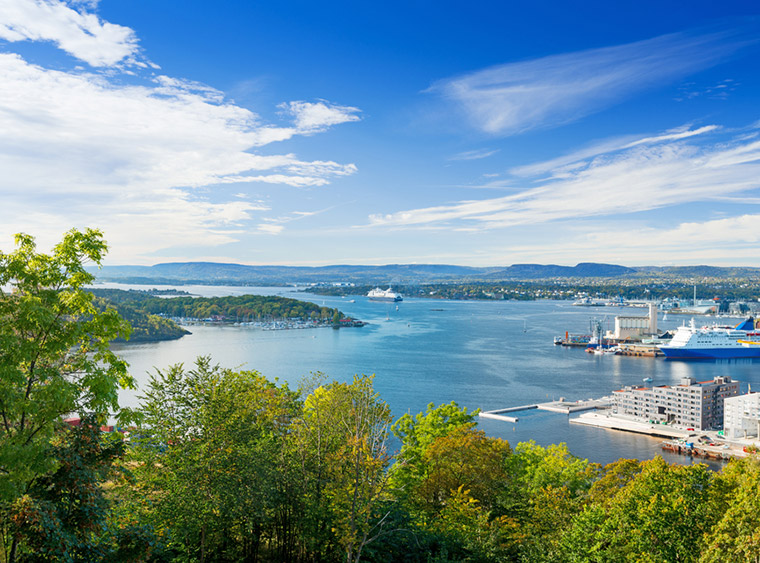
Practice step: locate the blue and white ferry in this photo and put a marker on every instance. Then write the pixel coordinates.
(714, 342)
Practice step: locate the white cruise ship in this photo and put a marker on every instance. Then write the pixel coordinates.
(378, 294)
(711, 342)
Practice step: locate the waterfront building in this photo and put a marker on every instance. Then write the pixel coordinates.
(692, 404)
(741, 417)
(630, 327)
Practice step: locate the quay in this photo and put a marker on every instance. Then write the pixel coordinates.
(615, 422)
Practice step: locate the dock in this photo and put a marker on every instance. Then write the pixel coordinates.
(562, 406)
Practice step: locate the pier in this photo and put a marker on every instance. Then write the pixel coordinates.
(562, 406)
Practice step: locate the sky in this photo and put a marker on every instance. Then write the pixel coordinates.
(314, 133)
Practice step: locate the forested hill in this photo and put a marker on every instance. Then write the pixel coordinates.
(217, 273)
(231, 308)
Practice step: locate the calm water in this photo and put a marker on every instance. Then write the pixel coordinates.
(486, 355)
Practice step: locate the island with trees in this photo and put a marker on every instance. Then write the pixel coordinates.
(156, 318)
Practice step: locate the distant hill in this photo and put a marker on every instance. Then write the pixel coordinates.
(582, 270)
(701, 271)
(239, 274)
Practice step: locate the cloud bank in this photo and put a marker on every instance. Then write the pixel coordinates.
(145, 157)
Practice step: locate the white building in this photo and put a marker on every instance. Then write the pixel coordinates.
(691, 404)
(741, 416)
(635, 327)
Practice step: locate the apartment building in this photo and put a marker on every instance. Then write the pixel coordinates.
(692, 404)
(741, 417)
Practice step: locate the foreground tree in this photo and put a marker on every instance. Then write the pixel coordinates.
(342, 438)
(63, 515)
(736, 536)
(54, 356)
(208, 462)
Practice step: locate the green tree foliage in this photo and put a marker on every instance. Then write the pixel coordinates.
(231, 308)
(63, 514)
(54, 354)
(145, 326)
(661, 514)
(736, 536)
(342, 438)
(417, 434)
(209, 459)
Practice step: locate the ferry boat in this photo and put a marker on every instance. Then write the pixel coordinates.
(378, 294)
(713, 342)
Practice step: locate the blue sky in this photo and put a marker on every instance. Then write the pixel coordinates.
(482, 133)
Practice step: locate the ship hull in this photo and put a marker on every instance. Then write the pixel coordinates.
(386, 299)
(710, 353)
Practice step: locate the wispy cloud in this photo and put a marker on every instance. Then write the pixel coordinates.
(516, 97)
(720, 91)
(638, 177)
(83, 35)
(474, 155)
(578, 158)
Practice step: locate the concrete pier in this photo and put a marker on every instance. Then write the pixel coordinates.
(562, 406)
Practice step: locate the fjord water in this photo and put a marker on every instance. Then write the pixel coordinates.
(481, 354)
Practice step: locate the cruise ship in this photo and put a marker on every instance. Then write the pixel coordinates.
(378, 294)
(712, 342)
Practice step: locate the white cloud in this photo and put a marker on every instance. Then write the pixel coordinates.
(82, 35)
(314, 117)
(78, 132)
(639, 178)
(80, 149)
(554, 90)
(474, 155)
(270, 229)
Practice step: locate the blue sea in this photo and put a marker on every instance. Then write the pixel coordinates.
(480, 354)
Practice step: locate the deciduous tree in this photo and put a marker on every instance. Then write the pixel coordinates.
(54, 354)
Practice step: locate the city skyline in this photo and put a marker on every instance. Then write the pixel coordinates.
(403, 133)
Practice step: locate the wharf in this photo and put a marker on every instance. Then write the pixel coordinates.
(562, 406)
(646, 350)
